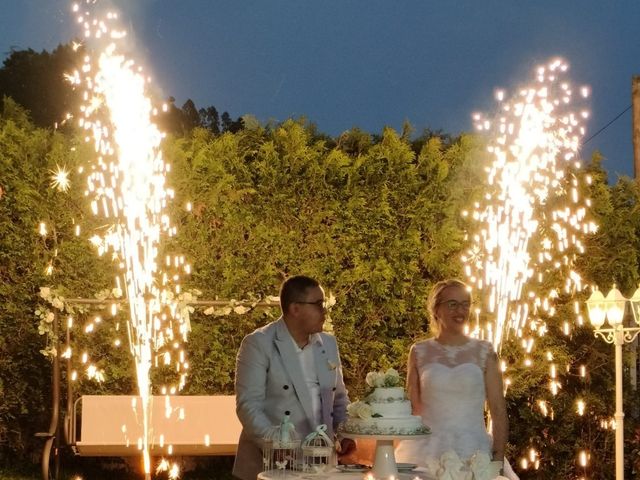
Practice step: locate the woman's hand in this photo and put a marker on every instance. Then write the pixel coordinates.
(497, 406)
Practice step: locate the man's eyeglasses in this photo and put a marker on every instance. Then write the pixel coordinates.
(322, 304)
(453, 305)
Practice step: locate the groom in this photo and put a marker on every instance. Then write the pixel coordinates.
(289, 367)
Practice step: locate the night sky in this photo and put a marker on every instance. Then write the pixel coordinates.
(370, 63)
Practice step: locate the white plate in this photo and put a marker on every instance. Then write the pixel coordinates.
(352, 468)
(406, 467)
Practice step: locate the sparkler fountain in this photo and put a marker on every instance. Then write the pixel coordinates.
(127, 187)
(533, 142)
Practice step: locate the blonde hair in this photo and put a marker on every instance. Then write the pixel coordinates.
(435, 297)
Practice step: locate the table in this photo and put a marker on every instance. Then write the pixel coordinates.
(336, 475)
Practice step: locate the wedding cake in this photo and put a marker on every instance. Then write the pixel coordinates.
(384, 411)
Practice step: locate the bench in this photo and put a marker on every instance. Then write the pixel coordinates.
(111, 425)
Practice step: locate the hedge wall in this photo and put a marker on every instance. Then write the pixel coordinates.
(376, 219)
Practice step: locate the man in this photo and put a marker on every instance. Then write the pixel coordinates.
(289, 367)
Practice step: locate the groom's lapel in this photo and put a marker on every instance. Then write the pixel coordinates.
(322, 364)
(289, 356)
(326, 379)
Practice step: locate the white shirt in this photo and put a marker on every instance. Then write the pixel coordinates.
(310, 373)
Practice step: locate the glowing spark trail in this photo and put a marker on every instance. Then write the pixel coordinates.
(126, 185)
(533, 198)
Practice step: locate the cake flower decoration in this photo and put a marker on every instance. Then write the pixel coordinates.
(390, 378)
(359, 409)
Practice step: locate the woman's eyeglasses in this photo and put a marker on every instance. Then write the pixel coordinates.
(453, 305)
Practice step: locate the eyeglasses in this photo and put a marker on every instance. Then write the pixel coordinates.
(453, 305)
(322, 304)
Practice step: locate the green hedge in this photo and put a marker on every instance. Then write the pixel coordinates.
(377, 220)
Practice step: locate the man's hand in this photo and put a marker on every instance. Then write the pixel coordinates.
(345, 446)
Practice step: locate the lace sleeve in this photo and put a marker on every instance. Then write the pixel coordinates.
(485, 349)
(419, 352)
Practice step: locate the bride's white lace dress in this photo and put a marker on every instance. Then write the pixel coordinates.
(452, 394)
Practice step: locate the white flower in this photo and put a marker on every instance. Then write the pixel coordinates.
(187, 309)
(102, 294)
(483, 468)
(57, 303)
(359, 409)
(329, 301)
(479, 464)
(49, 317)
(392, 378)
(432, 465)
(328, 324)
(372, 379)
(240, 310)
(45, 292)
(116, 292)
(222, 312)
(452, 468)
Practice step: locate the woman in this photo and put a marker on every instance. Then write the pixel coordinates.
(449, 379)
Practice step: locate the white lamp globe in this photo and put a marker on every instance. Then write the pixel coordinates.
(595, 305)
(635, 305)
(615, 306)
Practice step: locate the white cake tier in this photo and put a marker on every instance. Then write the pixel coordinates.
(411, 425)
(399, 408)
(384, 395)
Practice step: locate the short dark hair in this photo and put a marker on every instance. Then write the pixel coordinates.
(293, 289)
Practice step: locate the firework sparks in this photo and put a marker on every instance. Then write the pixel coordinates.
(60, 179)
(533, 204)
(533, 197)
(126, 185)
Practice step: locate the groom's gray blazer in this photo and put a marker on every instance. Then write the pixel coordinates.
(270, 384)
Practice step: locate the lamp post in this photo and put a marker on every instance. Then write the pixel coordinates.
(611, 309)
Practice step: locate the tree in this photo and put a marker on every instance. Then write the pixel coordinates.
(36, 81)
(27, 157)
(354, 142)
(210, 119)
(229, 125)
(190, 116)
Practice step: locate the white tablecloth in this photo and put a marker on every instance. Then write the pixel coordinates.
(334, 475)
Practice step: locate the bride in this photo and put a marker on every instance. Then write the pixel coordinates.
(449, 379)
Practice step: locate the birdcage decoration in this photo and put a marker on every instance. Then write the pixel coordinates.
(318, 452)
(281, 448)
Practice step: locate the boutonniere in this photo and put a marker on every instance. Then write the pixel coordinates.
(332, 365)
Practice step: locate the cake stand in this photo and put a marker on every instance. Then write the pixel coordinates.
(384, 463)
